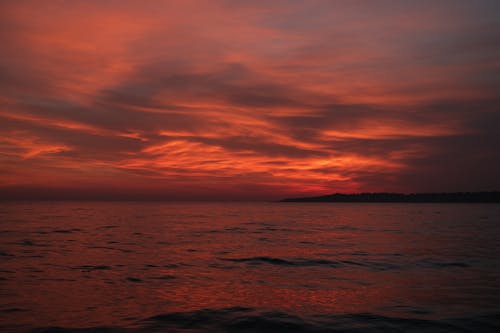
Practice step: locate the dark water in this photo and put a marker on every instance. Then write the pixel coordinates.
(249, 267)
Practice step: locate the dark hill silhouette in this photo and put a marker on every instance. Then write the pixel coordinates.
(462, 197)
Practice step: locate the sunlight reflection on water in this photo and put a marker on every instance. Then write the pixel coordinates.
(86, 264)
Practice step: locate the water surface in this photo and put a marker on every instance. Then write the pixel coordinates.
(249, 267)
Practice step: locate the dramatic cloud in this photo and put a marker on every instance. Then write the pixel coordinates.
(247, 99)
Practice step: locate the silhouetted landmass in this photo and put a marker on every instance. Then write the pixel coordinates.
(462, 197)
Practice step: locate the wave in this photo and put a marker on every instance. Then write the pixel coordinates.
(285, 262)
(247, 320)
(429, 263)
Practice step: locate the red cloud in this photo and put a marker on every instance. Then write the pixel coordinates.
(184, 99)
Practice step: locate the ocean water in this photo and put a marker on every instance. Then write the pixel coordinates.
(249, 267)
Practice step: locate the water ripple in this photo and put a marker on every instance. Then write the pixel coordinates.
(247, 320)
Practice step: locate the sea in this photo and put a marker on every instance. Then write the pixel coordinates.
(82, 266)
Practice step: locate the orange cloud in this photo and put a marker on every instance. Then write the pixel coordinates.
(184, 99)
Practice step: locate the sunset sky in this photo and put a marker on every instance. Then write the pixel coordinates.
(247, 99)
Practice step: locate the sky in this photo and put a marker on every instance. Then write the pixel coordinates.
(247, 100)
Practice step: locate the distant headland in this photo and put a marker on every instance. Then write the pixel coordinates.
(458, 197)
